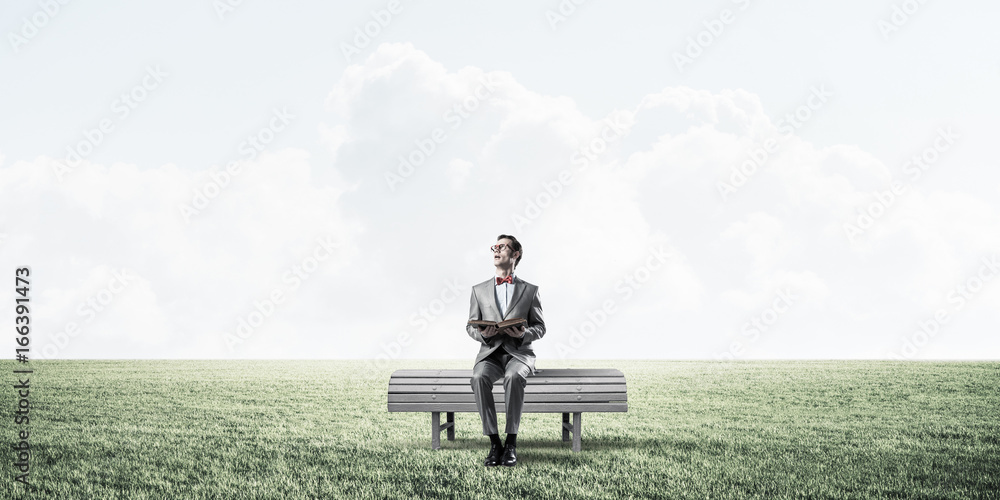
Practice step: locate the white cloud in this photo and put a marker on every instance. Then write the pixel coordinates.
(191, 280)
(407, 246)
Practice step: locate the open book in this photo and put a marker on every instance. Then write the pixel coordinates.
(499, 324)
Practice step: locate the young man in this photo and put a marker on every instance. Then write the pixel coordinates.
(506, 353)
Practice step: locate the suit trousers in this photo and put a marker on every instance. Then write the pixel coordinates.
(486, 372)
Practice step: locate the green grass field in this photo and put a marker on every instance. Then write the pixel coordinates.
(320, 429)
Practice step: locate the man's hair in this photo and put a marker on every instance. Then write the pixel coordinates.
(515, 246)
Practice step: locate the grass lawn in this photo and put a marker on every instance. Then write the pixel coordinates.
(694, 429)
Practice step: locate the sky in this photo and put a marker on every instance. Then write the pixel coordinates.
(224, 179)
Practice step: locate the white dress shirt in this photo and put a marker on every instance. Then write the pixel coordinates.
(504, 292)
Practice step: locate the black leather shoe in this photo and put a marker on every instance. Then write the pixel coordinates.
(509, 455)
(493, 459)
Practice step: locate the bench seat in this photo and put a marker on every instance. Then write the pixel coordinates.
(567, 391)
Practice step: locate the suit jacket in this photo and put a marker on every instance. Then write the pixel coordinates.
(524, 303)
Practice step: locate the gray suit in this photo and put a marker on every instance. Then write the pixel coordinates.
(502, 355)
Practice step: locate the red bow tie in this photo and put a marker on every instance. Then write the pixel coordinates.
(508, 279)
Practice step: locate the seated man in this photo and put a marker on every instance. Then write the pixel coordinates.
(506, 353)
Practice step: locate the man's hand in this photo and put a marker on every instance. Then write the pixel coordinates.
(489, 331)
(514, 331)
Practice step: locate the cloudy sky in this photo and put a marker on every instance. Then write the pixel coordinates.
(698, 180)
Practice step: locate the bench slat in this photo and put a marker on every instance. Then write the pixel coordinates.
(549, 372)
(531, 380)
(498, 398)
(462, 389)
(528, 407)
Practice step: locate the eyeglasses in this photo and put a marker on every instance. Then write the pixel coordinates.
(500, 247)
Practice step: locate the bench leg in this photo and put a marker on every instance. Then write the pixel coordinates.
(565, 427)
(576, 431)
(451, 428)
(435, 430)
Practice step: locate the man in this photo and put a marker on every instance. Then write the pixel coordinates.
(506, 353)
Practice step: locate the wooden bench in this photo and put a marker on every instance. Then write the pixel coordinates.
(572, 390)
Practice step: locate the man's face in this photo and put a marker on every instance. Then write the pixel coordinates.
(503, 256)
